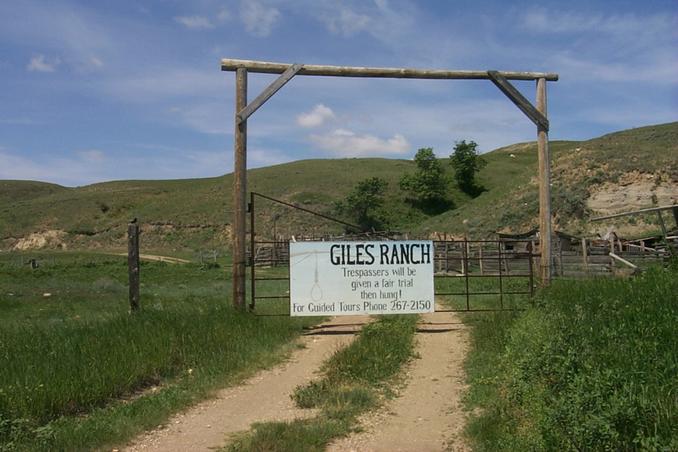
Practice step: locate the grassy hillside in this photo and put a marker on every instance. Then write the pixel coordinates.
(182, 215)
(580, 171)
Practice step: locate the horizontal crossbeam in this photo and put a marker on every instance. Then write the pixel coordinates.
(228, 64)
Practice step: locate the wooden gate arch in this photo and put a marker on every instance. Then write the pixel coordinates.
(243, 110)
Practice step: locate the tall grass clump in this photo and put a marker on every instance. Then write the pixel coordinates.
(49, 372)
(354, 379)
(594, 366)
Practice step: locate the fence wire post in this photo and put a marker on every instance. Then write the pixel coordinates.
(252, 251)
(465, 257)
(530, 247)
(133, 264)
(501, 286)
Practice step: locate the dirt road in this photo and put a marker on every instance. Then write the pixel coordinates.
(427, 415)
(264, 397)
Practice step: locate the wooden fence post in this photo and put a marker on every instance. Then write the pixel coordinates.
(480, 259)
(240, 192)
(544, 188)
(133, 264)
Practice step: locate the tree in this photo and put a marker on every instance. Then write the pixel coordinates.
(466, 163)
(363, 204)
(428, 185)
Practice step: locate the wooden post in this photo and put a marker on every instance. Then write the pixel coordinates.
(584, 253)
(253, 250)
(533, 248)
(501, 285)
(239, 191)
(663, 226)
(133, 264)
(544, 187)
(447, 255)
(531, 267)
(480, 259)
(464, 255)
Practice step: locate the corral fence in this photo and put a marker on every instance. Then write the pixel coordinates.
(469, 275)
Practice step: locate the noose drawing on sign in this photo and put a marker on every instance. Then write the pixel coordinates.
(316, 291)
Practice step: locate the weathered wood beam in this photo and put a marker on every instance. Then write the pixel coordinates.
(634, 212)
(544, 157)
(517, 98)
(239, 192)
(623, 261)
(268, 93)
(228, 64)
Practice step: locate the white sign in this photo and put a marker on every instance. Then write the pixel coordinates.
(352, 278)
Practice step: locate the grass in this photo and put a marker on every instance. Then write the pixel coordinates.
(355, 379)
(591, 367)
(77, 371)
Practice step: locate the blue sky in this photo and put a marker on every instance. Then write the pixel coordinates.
(93, 91)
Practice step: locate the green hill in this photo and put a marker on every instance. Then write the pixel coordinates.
(183, 215)
(620, 171)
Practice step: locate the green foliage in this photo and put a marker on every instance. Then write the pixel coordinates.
(466, 163)
(364, 203)
(569, 201)
(592, 367)
(428, 185)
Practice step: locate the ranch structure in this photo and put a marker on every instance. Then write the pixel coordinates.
(243, 110)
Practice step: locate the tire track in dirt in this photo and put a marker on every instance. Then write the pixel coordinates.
(264, 397)
(427, 414)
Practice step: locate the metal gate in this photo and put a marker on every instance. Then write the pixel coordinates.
(469, 275)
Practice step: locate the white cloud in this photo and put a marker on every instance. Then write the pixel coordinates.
(656, 69)
(21, 121)
(346, 22)
(208, 117)
(96, 62)
(316, 117)
(194, 22)
(570, 22)
(92, 155)
(79, 171)
(260, 157)
(378, 18)
(223, 15)
(40, 63)
(152, 85)
(348, 144)
(76, 34)
(258, 19)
